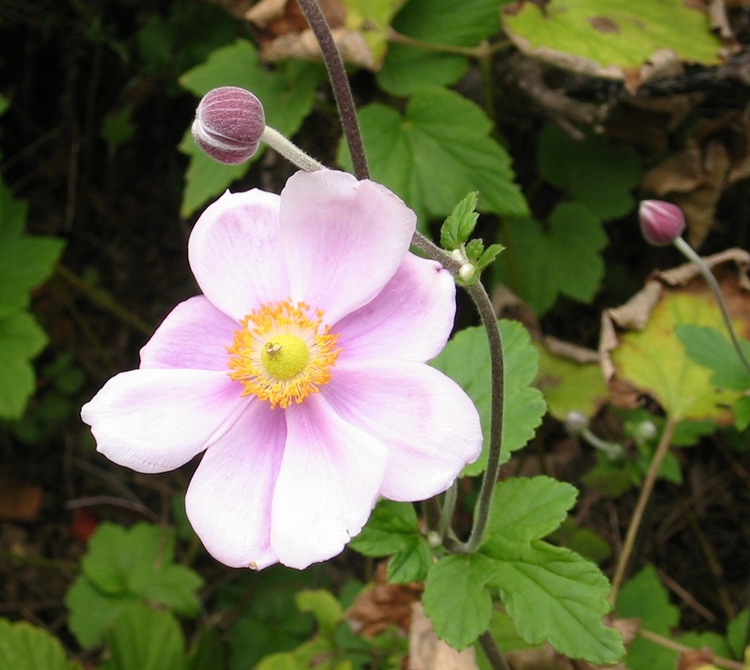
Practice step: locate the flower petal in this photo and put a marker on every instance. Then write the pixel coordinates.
(327, 484)
(343, 239)
(229, 498)
(411, 318)
(429, 425)
(235, 255)
(193, 336)
(157, 420)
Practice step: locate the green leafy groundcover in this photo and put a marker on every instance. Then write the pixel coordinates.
(549, 592)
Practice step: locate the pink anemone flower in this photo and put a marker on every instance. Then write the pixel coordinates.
(300, 372)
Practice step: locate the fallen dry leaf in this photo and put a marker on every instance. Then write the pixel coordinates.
(19, 501)
(382, 606)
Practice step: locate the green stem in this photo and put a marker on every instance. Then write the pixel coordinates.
(446, 514)
(687, 251)
(480, 51)
(681, 648)
(283, 145)
(643, 498)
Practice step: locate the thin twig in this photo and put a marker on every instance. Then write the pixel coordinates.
(681, 648)
(340, 83)
(643, 498)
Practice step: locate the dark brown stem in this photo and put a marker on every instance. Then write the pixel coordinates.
(492, 652)
(340, 83)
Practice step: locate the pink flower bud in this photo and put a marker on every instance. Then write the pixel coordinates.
(228, 124)
(661, 222)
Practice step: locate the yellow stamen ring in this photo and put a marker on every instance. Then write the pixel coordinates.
(282, 353)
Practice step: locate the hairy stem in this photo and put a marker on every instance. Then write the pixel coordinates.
(640, 508)
(340, 83)
(497, 368)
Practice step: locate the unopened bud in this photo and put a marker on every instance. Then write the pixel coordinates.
(228, 124)
(661, 222)
(576, 423)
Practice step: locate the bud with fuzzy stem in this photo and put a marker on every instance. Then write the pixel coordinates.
(229, 124)
(661, 222)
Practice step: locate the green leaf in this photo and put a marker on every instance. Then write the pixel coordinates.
(538, 262)
(594, 172)
(654, 360)
(553, 594)
(25, 260)
(465, 359)
(550, 593)
(411, 564)
(208, 651)
(271, 622)
(287, 94)
(463, 23)
(125, 566)
(26, 647)
(438, 151)
(644, 597)
(527, 509)
(392, 526)
(738, 634)
(456, 600)
(460, 223)
(144, 639)
(323, 606)
(712, 349)
(605, 37)
(21, 339)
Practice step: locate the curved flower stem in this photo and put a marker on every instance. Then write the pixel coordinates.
(274, 139)
(446, 514)
(686, 250)
(340, 84)
(497, 365)
(640, 508)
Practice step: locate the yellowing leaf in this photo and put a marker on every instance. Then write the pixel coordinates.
(608, 37)
(654, 360)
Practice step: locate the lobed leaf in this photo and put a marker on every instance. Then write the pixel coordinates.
(712, 349)
(26, 647)
(436, 152)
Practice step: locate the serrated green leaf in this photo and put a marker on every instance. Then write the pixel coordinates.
(435, 153)
(25, 260)
(489, 255)
(594, 172)
(538, 263)
(712, 349)
(392, 526)
(555, 595)
(460, 223)
(463, 23)
(271, 622)
(644, 597)
(287, 94)
(411, 563)
(456, 600)
(26, 647)
(21, 339)
(465, 359)
(145, 639)
(528, 509)
(611, 35)
(124, 566)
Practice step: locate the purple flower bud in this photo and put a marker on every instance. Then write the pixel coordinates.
(228, 124)
(661, 222)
